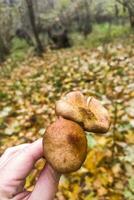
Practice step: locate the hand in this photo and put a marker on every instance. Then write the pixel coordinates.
(15, 165)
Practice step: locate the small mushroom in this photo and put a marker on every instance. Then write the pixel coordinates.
(65, 145)
(88, 112)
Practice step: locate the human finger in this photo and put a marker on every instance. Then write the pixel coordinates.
(46, 185)
(10, 152)
(21, 165)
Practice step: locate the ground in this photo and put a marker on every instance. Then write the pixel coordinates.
(27, 99)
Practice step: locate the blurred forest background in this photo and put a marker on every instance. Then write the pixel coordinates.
(50, 47)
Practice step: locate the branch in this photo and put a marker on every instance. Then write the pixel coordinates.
(119, 1)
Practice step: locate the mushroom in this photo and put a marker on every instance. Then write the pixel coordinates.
(64, 142)
(65, 145)
(88, 112)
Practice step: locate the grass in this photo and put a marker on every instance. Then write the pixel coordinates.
(102, 34)
(19, 49)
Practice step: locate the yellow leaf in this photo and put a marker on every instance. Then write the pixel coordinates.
(94, 157)
(130, 137)
(116, 197)
(30, 180)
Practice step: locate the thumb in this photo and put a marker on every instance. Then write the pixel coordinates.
(46, 185)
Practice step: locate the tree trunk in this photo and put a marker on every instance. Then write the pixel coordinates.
(129, 5)
(131, 17)
(88, 24)
(33, 25)
(3, 49)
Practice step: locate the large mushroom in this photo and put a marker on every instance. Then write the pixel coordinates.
(65, 145)
(64, 142)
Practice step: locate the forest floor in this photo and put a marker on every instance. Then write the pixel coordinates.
(27, 98)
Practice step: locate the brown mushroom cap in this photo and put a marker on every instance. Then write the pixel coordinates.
(88, 112)
(65, 145)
